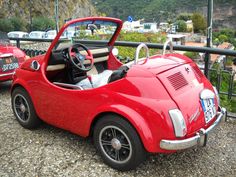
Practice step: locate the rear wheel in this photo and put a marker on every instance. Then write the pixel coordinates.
(118, 143)
(23, 109)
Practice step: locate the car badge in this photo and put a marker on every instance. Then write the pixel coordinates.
(187, 69)
(194, 116)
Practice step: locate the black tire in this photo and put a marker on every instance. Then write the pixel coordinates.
(118, 143)
(23, 109)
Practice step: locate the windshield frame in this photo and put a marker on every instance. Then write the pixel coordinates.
(88, 22)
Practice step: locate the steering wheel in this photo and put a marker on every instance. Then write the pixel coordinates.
(80, 61)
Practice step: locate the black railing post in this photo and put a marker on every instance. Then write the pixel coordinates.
(209, 37)
(18, 43)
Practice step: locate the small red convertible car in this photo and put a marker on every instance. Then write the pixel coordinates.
(10, 58)
(157, 104)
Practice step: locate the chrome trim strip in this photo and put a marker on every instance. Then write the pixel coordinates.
(198, 139)
(7, 74)
(68, 85)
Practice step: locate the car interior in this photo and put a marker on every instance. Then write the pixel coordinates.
(63, 72)
(74, 65)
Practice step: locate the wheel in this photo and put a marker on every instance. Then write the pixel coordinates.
(23, 109)
(118, 143)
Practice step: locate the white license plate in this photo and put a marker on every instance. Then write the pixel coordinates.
(208, 106)
(8, 64)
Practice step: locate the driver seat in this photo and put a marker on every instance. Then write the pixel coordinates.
(96, 80)
(107, 76)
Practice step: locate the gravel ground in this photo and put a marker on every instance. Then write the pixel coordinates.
(49, 151)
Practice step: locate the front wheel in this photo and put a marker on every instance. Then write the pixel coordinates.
(118, 143)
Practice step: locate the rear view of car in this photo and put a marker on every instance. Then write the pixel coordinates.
(10, 58)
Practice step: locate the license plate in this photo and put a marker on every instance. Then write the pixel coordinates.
(208, 106)
(8, 64)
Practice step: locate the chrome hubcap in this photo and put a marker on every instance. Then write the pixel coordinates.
(115, 144)
(21, 108)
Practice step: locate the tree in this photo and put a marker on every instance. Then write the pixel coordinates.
(223, 38)
(181, 26)
(184, 16)
(42, 23)
(199, 23)
(6, 25)
(18, 24)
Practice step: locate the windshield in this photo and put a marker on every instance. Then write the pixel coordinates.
(87, 30)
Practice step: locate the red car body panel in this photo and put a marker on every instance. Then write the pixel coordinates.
(143, 97)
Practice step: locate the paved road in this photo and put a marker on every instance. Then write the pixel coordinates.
(49, 151)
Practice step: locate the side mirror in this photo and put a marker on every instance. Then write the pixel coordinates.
(35, 65)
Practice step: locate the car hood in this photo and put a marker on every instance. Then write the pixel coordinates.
(12, 50)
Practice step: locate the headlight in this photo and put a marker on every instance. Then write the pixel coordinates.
(27, 57)
(217, 95)
(178, 122)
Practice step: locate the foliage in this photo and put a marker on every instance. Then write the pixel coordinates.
(224, 35)
(192, 55)
(6, 25)
(128, 52)
(199, 23)
(222, 38)
(18, 24)
(184, 16)
(159, 10)
(224, 87)
(42, 23)
(182, 26)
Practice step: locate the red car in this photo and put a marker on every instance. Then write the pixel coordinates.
(10, 58)
(157, 104)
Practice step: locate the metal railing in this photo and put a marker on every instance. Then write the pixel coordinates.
(205, 50)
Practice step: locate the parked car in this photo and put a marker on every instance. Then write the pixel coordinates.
(37, 34)
(51, 34)
(10, 58)
(157, 104)
(18, 34)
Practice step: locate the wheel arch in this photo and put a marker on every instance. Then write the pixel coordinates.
(17, 85)
(135, 120)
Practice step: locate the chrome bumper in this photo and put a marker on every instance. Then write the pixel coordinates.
(7, 74)
(199, 139)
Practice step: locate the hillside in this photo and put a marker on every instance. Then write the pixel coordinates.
(162, 10)
(67, 8)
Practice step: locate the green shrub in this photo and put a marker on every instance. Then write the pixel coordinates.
(18, 24)
(192, 55)
(42, 23)
(223, 38)
(199, 23)
(182, 26)
(129, 52)
(6, 25)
